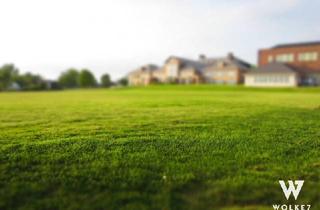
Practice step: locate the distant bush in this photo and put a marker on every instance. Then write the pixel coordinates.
(73, 78)
(11, 79)
(123, 82)
(105, 80)
(8, 73)
(28, 81)
(69, 78)
(86, 79)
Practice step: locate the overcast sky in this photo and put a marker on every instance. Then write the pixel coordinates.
(116, 36)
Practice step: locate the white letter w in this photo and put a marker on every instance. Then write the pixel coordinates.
(291, 189)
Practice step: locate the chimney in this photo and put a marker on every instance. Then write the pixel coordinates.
(202, 57)
(230, 56)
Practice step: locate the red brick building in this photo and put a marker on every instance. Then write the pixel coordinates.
(300, 55)
(287, 65)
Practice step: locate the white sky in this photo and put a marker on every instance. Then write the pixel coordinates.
(47, 37)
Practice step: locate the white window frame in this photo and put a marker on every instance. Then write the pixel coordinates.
(308, 56)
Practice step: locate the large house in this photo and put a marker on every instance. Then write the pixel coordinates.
(287, 65)
(143, 75)
(225, 70)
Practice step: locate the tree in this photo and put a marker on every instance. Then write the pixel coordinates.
(86, 79)
(105, 80)
(7, 74)
(123, 81)
(69, 79)
(29, 81)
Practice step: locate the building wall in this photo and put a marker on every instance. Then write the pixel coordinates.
(159, 75)
(172, 70)
(223, 75)
(140, 78)
(133, 79)
(189, 76)
(272, 80)
(265, 54)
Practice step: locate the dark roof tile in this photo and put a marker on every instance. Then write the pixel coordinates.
(274, 68)
(211, 62)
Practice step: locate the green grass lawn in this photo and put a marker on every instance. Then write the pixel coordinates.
(161, 147)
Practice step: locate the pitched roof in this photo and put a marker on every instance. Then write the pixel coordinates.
(145, 68)
(149, 67)
(228, 60)
(301, 44)
(274, 68)
(212, 62)
(186, 63)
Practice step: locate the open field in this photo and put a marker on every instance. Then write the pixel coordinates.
(162, 147)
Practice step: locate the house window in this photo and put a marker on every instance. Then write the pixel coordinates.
(271, 79)
(260, 78)
(270, 59)
(285, 58)
(308, 56)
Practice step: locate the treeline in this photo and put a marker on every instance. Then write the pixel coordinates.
(12, 79)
